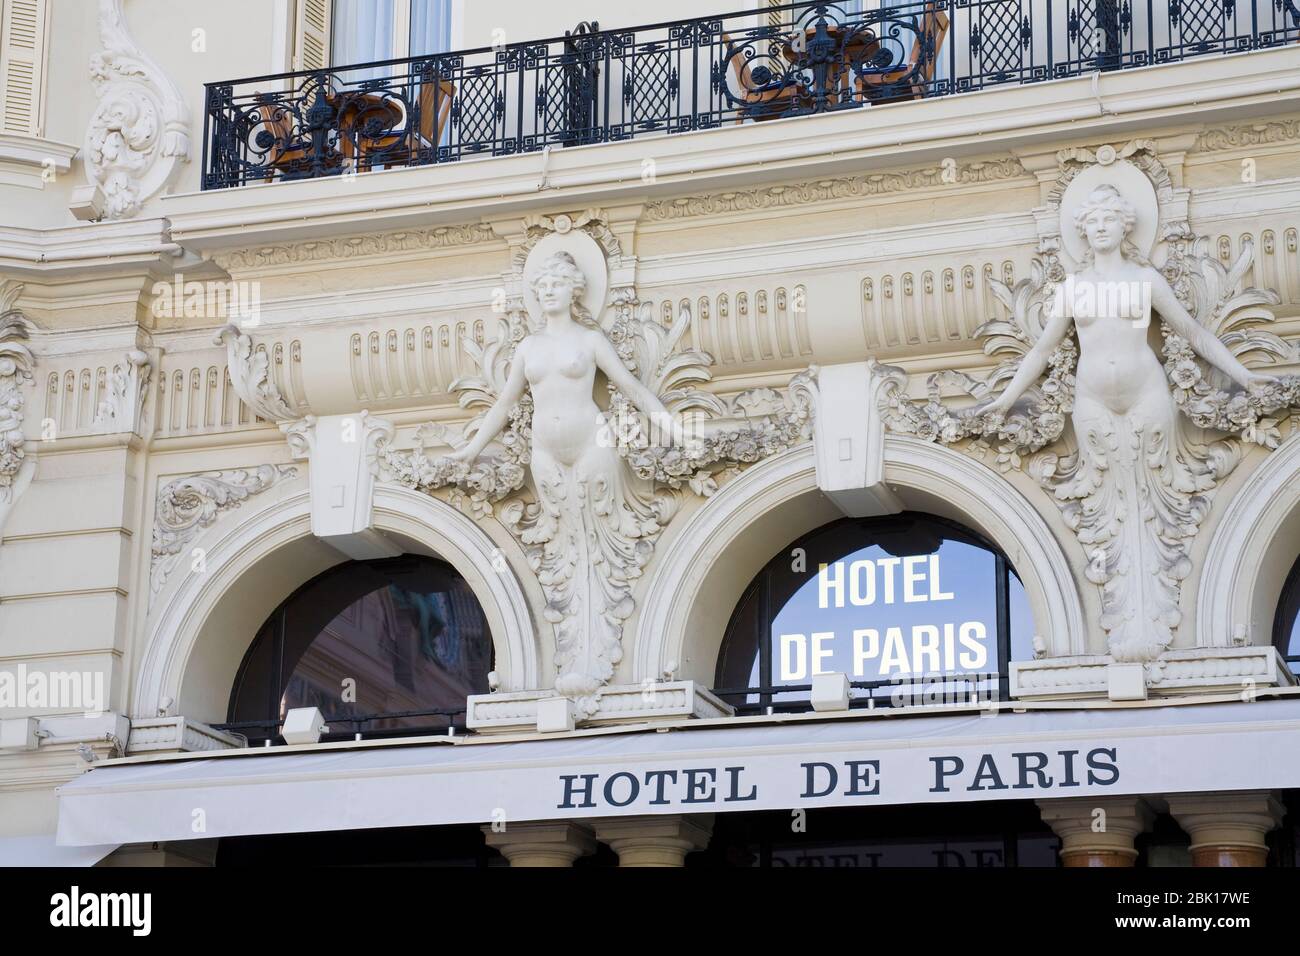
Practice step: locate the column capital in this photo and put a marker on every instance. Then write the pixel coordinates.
(551, 843)
(654, 840)
(1227, 828)
(1097, 831)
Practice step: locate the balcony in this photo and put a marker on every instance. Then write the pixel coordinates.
(594, 86)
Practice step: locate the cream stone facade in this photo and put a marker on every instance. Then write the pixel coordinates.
(210, 397)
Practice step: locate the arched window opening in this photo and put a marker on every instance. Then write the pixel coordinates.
(384, 648)
(1286, 622)
(913, 608)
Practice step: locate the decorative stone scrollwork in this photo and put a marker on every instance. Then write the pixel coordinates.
(588, 490)
(1140, 477)
(139, 131)
(250, 375)
(16, 366)
(122, 409)
(186, 506)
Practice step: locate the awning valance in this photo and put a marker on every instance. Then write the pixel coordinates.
(41, 850)
(859, 761)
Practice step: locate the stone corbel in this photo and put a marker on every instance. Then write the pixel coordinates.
(123, 407)
(250, 375)
(341, 451)
(139, 131)
(849, 438)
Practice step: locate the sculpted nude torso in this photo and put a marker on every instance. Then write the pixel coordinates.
(1128, 481)
(558, 364)
(587, 526)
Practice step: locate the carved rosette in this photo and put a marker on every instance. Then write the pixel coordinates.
(139, 130)
(185, 506)
(1134, 495)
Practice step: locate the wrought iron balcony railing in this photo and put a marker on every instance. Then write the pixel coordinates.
(596, 86)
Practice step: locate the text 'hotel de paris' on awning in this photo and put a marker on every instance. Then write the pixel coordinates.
(967, 754)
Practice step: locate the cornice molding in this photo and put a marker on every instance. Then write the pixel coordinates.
(826, 190)
(356, 247)
(87, 250)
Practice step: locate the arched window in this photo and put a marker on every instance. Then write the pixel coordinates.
(902, 604)
(1286, 623)
(381, 647)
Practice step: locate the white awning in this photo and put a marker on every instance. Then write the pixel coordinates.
(864, 760)
(41, 850)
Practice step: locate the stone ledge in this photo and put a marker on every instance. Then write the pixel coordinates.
(1176, 673)
(619, 704)
(177, 735)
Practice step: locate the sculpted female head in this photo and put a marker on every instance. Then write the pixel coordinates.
(561, 284)
(1105, 219)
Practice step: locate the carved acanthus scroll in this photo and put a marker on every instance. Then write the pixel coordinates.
(139, 130)
(185, 506)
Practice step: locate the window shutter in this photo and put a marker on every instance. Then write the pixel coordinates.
(775, 17)
(311, 34)
(23, 29)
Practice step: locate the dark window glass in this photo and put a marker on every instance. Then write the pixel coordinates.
(1286, 624)
(381, 647)
(899, 604)
(933, 835)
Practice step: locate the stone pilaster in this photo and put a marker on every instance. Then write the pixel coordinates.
(542, 844)
(654, 841)
(1097, 831)
(1227, 829)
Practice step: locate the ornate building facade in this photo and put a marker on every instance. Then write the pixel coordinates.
(815, 434)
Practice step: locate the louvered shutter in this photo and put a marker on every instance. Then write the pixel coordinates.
(23, 28)
(311, 34)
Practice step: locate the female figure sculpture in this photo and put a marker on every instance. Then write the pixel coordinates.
(1132, 491)
(592, 533)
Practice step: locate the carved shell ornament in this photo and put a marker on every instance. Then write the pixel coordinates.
(1130, 429)
(588, 495)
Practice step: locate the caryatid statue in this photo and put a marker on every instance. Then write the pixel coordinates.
(603, 485)
(1140, 480)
